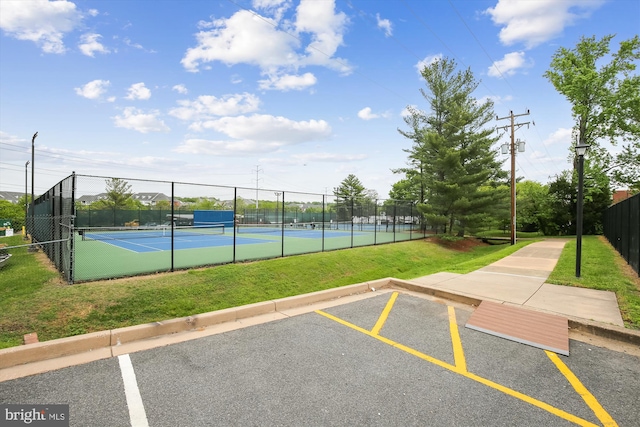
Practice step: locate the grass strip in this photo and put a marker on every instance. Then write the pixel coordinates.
(604, 269)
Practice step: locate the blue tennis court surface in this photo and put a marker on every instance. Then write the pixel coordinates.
(153, 244)
(144, 239)
(304, 234)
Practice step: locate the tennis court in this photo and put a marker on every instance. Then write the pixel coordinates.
(107, 252)
(90, 237)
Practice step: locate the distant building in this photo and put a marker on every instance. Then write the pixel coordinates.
(87, 200)
(11, 196)
(620, 195)
(150, 199)
(147, 199)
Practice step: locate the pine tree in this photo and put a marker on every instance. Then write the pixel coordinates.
(452, 160)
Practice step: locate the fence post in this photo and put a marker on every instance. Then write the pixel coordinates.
(235, 220)
(281, 222)
(324, 222)
(72, 248)
(172, 216)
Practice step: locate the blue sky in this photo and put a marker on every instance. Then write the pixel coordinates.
(303, 91)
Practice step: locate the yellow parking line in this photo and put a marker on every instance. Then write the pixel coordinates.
(525, 398)
(384, 314)
(388, 341)
(589, 398)
(458, 352)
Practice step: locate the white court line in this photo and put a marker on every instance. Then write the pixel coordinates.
(137, 413)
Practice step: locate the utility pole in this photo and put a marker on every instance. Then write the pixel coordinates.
(513, 126)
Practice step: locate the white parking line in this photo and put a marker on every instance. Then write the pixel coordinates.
(137, 413)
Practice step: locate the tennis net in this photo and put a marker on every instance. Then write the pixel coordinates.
(279, 227)
(149, 232)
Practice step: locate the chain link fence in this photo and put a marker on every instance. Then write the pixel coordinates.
(49, 224)
(622, 229)
(95, 227)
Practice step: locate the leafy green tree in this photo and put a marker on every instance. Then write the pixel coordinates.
(452, 164)
(162, 205)
(405, 190)
(533, 205)
(597, 196)
(14, 212)
(206, 203)
(562, 206)
(605, 99)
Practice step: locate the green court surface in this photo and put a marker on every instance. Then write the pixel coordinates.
(94, 259)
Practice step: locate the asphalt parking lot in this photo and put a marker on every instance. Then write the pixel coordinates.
(389, 359)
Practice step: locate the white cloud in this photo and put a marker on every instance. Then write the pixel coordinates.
(288, 82)
(42, 22)
(94, 89)
(276, 8)
(249, 38)
(408, 110)
(497, 100)
(89, 44)
(268, 4)
(272, 129)
(182, 89)
(535, 22)
(208, 106)
(562, 136)
(508, 65)
(326, 28)
(137, 120)
(225, 148)
(385, 25)
(242, 38)
(138, 91)
(428, 60)
(367, 114)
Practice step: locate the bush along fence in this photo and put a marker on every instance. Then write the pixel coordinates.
(94, 227)
(622, 229)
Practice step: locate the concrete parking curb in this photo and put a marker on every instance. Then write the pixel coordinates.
(104, 340)
(52, 349)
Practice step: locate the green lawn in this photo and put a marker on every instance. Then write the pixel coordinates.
(35, 300)
(604, 269)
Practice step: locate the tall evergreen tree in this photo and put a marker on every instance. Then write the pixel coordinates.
(119, 195)
(452, 163)
(350, 195)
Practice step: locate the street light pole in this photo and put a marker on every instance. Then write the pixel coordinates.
(33, 199)
(277, 193)
(26, 201)
(581, 150)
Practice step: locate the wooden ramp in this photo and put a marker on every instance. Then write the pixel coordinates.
(533, 328)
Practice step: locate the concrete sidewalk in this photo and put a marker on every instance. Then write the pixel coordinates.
(519, 279)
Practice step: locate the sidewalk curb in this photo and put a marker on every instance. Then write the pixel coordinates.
(47, 350)
(604, 330)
